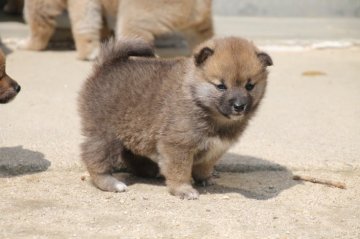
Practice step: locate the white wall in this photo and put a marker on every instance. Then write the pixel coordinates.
(288, 8)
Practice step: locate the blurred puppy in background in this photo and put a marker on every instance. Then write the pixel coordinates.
(8, 87)
(141, 18)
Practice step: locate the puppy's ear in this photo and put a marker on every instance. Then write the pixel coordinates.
(202, 55)
(265, 59)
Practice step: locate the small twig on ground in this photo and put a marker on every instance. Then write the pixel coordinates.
(321, 181)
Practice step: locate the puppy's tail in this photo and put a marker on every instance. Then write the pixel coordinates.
(122, 49)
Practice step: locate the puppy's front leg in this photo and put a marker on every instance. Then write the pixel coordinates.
(202, 172)
(176, 164)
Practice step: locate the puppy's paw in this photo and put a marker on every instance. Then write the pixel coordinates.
(107, 182)
(87, 46)
(205, 182)
(120, 187)
(23, 44)
(93, 55)
(185, 191)
(88, 56)
(31, 45)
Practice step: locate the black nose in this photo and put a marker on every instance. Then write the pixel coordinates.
(238, 107)
(17, 88)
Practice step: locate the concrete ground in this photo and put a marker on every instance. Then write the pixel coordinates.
(307, 125)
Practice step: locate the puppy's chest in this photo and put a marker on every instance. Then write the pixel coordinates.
(211, 148)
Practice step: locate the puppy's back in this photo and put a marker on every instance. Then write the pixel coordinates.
(121, 87)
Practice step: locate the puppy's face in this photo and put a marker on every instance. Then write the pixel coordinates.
(8, 87)
(230, 77)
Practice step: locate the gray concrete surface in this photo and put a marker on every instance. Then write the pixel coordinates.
(308, 124)
(291, 31)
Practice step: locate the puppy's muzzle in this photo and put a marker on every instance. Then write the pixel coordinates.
(17, 88)
(239, 107)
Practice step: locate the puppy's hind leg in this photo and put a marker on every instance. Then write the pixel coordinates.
(101, 157)
(40, 15)
(86, 24)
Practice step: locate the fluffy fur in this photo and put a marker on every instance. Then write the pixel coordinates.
(8, 87)
(180, 115)
(140, 18)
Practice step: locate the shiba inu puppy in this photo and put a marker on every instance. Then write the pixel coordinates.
(91, 19)
(8, 87)
(181, 114)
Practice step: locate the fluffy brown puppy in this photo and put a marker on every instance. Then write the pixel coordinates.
(181, 113)
(8, 87)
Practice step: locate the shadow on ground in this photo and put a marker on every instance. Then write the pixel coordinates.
(18, 161)
(252, 177)
(249, 176)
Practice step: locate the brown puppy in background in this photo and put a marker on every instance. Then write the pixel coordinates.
(141, 18)
(8, 87)
(181, 113)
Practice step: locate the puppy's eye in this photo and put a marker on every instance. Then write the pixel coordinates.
(249, 86)
(221, 87)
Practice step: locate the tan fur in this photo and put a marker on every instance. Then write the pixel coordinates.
(85, 16)
(141, 18)
(171, 113)
(8, 87)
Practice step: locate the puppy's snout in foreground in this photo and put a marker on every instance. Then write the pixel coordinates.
(17, 88)
(8, 87)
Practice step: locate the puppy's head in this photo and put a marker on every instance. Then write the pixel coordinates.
(230, 77)
(8, 87)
